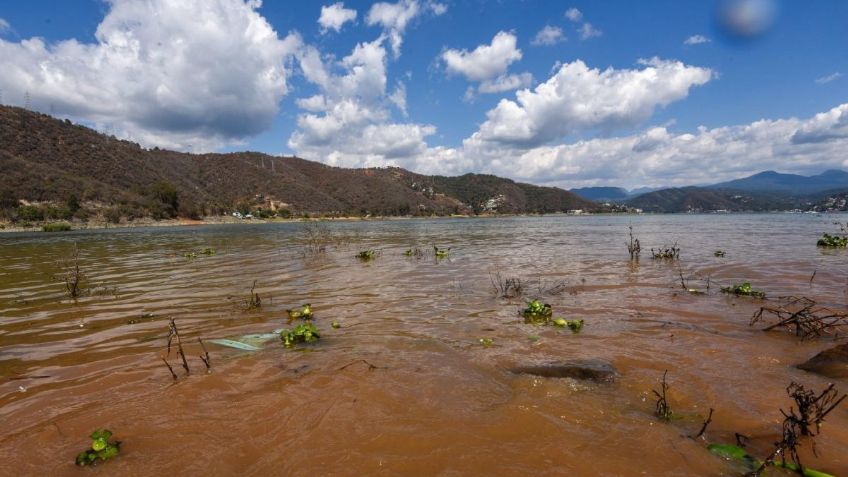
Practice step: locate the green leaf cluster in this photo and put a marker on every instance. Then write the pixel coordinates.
(832, 241)
(743, 289)
(303, 313)
(537, 313)
(366, 255)
(101, 448)
(302, 333)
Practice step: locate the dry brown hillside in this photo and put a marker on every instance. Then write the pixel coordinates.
(47, 160)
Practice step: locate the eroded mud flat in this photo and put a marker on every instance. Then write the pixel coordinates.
(404, 385)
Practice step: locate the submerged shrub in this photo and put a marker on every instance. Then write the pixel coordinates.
(366, 255)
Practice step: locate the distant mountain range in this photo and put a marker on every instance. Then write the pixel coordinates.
(63, 166)
(765, 191)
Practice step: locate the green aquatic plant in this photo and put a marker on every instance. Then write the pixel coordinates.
(366, 255)
(574, 325)
(190, 255)
(303, 313)
(486, 342)
(743, 289)
(752, 464)
(101, 450)
(335, 325)
(537, 313)
(414, 252)
(441, 252)
(719, 253)
(208, 251)
(56, 227)
(832, 241)
(302, 333)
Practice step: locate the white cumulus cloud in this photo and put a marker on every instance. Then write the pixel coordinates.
(185, 74)
(334, 16)
(588, 31)
(578, 98)
(486, 61)
(394, 17)
(549, 35)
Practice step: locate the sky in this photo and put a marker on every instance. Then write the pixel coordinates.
(562, 93)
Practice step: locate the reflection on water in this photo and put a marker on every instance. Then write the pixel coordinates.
(438, 402)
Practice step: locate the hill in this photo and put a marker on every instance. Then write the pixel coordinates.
(702, 199)
(792, 184)
(70, 170)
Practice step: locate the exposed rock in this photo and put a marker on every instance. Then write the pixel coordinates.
(589, 369)
(832, 363)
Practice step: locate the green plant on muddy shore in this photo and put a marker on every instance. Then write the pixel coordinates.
(537, 313)
(743, 289)
(302, 313)
(101, 449)
(302, 333)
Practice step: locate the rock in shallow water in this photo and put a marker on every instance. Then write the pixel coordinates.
(832, 363)
(590, 369)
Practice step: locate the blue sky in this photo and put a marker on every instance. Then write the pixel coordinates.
(627, 101)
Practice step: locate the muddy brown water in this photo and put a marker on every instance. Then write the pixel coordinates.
(438, 402)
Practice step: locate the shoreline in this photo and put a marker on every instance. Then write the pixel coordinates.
(8, 228)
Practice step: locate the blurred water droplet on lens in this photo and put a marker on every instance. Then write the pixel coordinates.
(746, 19)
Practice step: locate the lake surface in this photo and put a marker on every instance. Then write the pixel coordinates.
(437, 401)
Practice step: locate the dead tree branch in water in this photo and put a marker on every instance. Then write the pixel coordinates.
(707, 422)
(174, 333)
(72, 275)
(804, 317)
(662, 409)
(205, 356)
(253, 302)
(506, 287)
(634, 248)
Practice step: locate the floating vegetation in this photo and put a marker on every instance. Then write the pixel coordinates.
(719, 253)
(190, 255)
(662, 409)
(302, 313)
(738, 453)
(56, 227)
(486, 342)
(633, 247)
(253, 302)
(803, 317)
(832, 241)
(506, 287)
(743, 289)
(441, 252)
(72, 275)
(537, 313)
(335, 325)
(101, 450)
(573, 325)
(208, 251)
(302, 333)
(366, 255)
(414, 252)
(668, 253)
